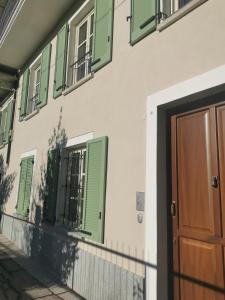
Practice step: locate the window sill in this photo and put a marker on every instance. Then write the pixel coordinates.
(77, 84)
(34, 113)
(180, 14)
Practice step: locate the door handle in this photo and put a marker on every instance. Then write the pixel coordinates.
(214, 181)
(173, 209)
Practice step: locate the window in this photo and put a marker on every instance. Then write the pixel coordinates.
(84, 45)
(34, 90)
(74, 189)
(6, 115)
(81, 188)
(83, 49)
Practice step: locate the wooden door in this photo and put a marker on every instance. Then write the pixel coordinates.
(198, 254)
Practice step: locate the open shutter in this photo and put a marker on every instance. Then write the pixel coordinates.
(1, 140)
(24, 93)
(60, 64)
(143, 19)
(103, 34)
(26, 174)
(45, 68)
(51, 186)
(9, 121)
(3, 125)
(95, 186)
(27, 192)
(22, 184)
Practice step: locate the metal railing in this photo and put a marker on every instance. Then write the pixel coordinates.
(80, 68)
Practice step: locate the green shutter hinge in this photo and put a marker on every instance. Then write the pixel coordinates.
(129, 18)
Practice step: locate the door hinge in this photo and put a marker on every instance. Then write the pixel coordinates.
(173, 208)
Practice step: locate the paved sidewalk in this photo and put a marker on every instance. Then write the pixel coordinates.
(21, 279)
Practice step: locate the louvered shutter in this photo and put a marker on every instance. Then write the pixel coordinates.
(24, 94)
(103, 34)
(25, 184)
(60, 63)
(9, 121)
(27, 193)
(1, 139)
(95, 186)
(143, 19)
(51, 185)
(45, 70)
(4, 122)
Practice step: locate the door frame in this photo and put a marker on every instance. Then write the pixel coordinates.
(202, 90)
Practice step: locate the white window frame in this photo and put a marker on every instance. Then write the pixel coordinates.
(173, 12)
(84, 10)
(32, 101)
(87, 19)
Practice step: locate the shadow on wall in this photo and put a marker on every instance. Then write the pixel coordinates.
(52, 252)
(6, 183)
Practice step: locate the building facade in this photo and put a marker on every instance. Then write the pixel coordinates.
(110, 111)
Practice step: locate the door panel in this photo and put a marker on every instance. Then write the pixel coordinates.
(196, 198)
(202, 263)
(221, 145)
(198, 153)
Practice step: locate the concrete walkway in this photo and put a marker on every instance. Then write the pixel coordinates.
(22, 279)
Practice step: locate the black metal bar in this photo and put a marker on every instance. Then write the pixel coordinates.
(61, 87)
(147, 22)
(95, 61)
(80, 59)
(85, 232)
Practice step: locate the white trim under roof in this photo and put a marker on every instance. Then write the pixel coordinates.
(205, 81)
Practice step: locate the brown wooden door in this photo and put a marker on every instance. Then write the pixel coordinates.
(198, 222)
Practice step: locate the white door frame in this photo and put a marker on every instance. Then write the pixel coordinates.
(206, 81)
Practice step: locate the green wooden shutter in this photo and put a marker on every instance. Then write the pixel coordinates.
(27, 192)
(1, 140)
(45, 70)
(51, 185)
(103, 33)
(8, 121)
(95, 186)
(22, 184)
(24, 94)
(26, 174)
(60, 63)
(4, 123)
(143, 19)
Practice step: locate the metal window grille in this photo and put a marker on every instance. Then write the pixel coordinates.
(74, 193)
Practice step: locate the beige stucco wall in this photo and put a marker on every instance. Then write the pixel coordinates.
(113, 103)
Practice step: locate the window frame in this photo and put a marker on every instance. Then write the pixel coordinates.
(4, 109)
(76, 223)
(89, 35)
(169, 19)
(85, 9)
(32, 96)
